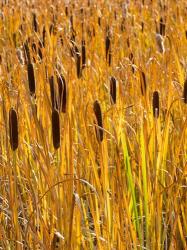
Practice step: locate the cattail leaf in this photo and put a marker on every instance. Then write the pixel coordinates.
(56, 128)
(156, 104)
(13, 129)
(98, 114)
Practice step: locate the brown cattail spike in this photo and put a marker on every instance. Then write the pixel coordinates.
(35, 24)
(107, 45)
(185, 91)
(13, 129)
(31, 78)
(156, 104)
(162, 27)
(143, 83)
(83, 54)
(56, 128)
(78, 62)
(98, 114)
(113, 90)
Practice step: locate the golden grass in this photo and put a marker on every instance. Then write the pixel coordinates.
(125, 190)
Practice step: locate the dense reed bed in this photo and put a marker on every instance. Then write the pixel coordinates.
(93, 116)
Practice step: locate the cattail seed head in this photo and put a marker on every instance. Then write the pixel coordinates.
(162, 27)
(156, 104)
(83, 54)
(35, 24)
(185, 91)
(98, 114)
(56, 128)
(143, 83)
(13, 129)
(78, 61)
(107, 45)
(31, 78)
(113, 90)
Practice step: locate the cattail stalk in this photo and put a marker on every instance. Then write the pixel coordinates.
(98, 114)
(13, 129)
(156, 104)
(56, 128)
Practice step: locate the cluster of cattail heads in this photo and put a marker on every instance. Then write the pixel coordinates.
(13, 129)
(99, 125)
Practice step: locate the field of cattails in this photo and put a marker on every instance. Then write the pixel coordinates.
(93, 124)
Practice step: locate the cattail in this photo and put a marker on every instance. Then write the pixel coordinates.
(156, 104)
(35, 24)
(142, 25)
(128, 42)
(143, 83)
(83, 54)
(98, 114)
(66, 10)
(43, 36)
(52, 91)
(185, 91)
(31, 78)
(13, 129)
(162, 27)
(56, 128)
(131, 58)
(62, 92)
(113, 90)
(107, 45)
(78, 61)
